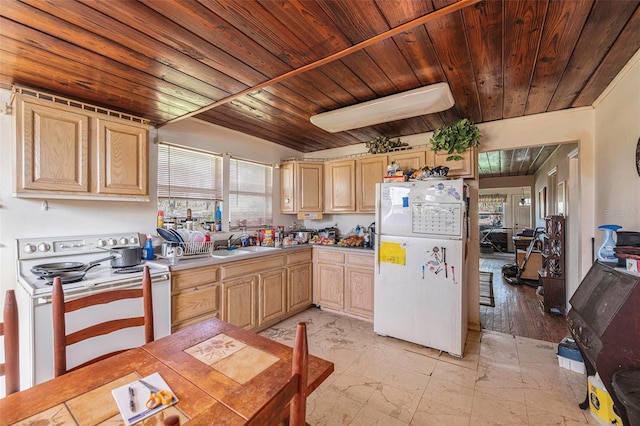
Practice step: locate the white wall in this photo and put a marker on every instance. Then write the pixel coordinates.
(617, 129)
(24, 218)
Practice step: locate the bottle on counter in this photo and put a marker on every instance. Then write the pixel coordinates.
(218, 218)
(244, 238)
(160, 219)
(147, 250)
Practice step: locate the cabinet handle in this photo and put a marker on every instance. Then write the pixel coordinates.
(195, 289)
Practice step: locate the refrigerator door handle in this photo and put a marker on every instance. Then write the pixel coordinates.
(376, 247)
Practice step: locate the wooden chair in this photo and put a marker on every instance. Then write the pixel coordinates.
(9, 329)
(294, 392)
(61, 340)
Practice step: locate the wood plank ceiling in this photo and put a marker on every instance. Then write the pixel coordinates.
(165, 60)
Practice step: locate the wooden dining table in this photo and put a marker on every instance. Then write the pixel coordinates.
(220, 374)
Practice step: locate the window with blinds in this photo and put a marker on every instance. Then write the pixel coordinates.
(188, 178)
(250, 194)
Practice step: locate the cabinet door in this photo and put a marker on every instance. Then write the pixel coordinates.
(53, 149)
(331, 283)
(299, 287)
(287, 188)
(465, 168)
(340, 186)
(310, 193)
(411, 159)
(121, 163)
(239, 301)
(359, 292)
(369, 172)
(272, 296)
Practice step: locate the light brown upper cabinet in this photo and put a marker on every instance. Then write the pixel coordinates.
(411, 159)
(52, 149)
(370, 170)
(301, 187)
(67, 152)
(466, 168)
(121, 157)
(340, 186)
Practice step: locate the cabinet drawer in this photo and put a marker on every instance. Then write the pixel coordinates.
(365, 260)
(299, 257)
(330, 256)
(194, 302)
(194, 277)
(243, 268)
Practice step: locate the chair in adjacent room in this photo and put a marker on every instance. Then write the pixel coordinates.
(10, 369)
(294, 392)
(62, 340)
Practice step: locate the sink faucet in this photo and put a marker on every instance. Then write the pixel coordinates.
(229, 240)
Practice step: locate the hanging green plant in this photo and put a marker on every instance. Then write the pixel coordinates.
(456, 138)
(383, 144)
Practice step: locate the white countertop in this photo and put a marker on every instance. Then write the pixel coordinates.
(182, 263)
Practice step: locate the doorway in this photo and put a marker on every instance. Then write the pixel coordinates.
(518, 309)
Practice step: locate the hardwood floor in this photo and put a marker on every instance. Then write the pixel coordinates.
(517, 311)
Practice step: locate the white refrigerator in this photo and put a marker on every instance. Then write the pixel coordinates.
(419, 281)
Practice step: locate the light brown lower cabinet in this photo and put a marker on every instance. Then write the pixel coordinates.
(272, 296)
(240, 297)
(195, 296)
(253, 293)
(343, 281)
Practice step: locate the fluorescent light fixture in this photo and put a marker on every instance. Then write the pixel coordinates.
(412, 103)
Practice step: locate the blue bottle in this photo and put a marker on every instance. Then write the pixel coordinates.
(147, 250)
(605, 252)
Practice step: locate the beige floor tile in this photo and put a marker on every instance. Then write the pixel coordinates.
(436, 413)
(394, 402)
(543, 418)
(553, 402)
(487, 410)
(332, 409)
(355, 386)
(369, 416)
(450, 397)
(454, 374)
(381, 380)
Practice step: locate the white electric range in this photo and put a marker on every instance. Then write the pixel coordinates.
(34, 299)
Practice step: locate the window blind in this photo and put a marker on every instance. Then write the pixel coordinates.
(250, 194)
(188, 174)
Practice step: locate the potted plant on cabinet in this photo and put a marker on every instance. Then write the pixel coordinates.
(455, 139)
(383, 144)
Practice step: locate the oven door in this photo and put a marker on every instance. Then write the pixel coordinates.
(36, 340)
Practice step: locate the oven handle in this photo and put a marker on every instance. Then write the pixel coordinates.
(134, 282)
(119, 284)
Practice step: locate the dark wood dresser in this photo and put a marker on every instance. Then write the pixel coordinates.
(604, 320)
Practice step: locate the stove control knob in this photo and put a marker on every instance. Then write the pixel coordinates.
(112, 241)
(101, 243)
(123, 240)
(44, 247)
(133, 240)
(30, 248)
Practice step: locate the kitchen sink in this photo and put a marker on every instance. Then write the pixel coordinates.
(258, 248)
(228, 253)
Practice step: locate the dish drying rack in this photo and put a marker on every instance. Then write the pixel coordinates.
(192, 251)
(195, 249)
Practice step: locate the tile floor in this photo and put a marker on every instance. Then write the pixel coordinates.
(501, 380)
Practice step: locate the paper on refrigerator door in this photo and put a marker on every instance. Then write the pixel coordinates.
(393, 253)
